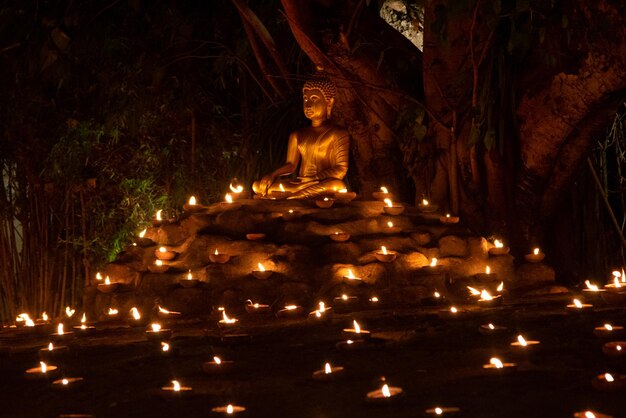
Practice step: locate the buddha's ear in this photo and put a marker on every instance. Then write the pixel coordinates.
(329, 107)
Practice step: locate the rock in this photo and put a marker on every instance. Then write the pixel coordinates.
(545, 291)
(532, 274)
(171, 234)
(478, 247)
(452, 245)
(422, 238)
(411, 295)
(413, 260)
(189, 301)
(122, 273)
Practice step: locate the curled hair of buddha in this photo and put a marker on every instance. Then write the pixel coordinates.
(322, 82)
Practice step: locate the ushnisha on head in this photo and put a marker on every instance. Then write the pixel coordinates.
(318, 95)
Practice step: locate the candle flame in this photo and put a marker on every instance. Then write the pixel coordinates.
(44, 316)
(280, 186)
(487, 270)
(156, 327)
(618, 348)
(321, 307)
(384, 189)
(84, 318)
(438, 411)
(135, 312)
(388, 202)
(454, 309)
(165, 346)
(344, 190)
(498, 243)
(98, 276)
(44, 366)
(162, 249)
(228, 198)
(261, 268)
(158, 215)
(351, 275)
(390, 224)
(383, 249)
(50, 347)
(385, 391)
(344, 297)
(217, 360)
(473, 291)
(374, 299)
(496, 362)
(143, 233)
(163, 310)
(609, 377)
(69, 311)
(227, 319)
(327, 368)
(189, 275)
(291, 307)
(357, 328)
(616, 282)
(107, 281)
(425, 202)
(484, 295)
(536, 251)
(491, 326)
(522, 341)
(433, 262)
(591, 286)
(234, 189)
(447, 215)
(608, 327)
(113, 311)
(578, 304)
(589, 414)
(229, 409)
(192, 201)
(500, 287)
(158, 262)
(176, 385)
(60, 329)
(437, 294)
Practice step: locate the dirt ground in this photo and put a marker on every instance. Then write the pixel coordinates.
(436, 361)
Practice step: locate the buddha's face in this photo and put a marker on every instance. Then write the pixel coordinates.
(315, 105)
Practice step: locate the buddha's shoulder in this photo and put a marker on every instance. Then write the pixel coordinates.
(329, 130)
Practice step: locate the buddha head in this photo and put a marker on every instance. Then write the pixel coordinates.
(318, 97)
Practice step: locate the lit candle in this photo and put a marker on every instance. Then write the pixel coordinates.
(616, 285)
(351, 278)
(590, 414)
(524, 346)
(449, 219)
(218, 366)
(157, 332)
(433, 300)
(257, 308)
(219, 258)
(339, 236)
(609, 382)
(427, 206)
(158, 218)
(608, 331)
(345, 303)
(328, 373)
(382, 194)
(188, 281)
(290, 311)
(392, 209)
(615, 349)
(44, 371)
(577, 306)
(175, 390)
(229, 410)
(61, 335)
(135, 318)
(192, 205)
(83, 328)
(536, 256)
(385, 395)
(499, 248)
(321, 314)
(107, 286)
(53, 352)
(158, 267)
(226, 321)
(262, 273)
(497, 366)
(324, 203)
(68, 383)
(166, 313)
(442, 411)
(492, 329)
(486, 299)
(356, 332)
(385, 256)
(164, 254)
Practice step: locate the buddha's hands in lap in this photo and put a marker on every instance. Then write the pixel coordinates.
(265, 183)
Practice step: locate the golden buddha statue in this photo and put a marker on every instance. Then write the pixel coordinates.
(321, 149)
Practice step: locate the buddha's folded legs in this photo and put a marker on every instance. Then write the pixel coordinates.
(318, 188)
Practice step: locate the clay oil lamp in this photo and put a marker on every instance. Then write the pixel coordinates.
(158, 267)
(218, 366)
(175, 391)
(452, 313)
(164, 254)
(167, 314)
(427, 207)
(44, 371)
(434, 267)
(344, 196)
(108, 286)
(374, 300)
(257, 308)
(192, 205)
(499, 248)
(158, 219)
(590, 414)
(61, 336)
(339, 236)
(442, 411)
(492, 329)
(496, 366)
(385, 256)
(350, 278)
(228, 410)
(227, 322)
(228, 202)
(53, 352)
(487, 300)
(617, 285)
(536, 256)
(236, 190)
(281, 193)
(291, 214)
(608, 382)
(83, 329)
(577, 307)
(473, 292)
(382, 194)
(615, 349)
(328, 373)
(523, 346)
(219, 258)
(235, 339)
(68, 383)
(321, 314)
(608, 331)
(141, 239)
(188, 281)
(345, 303)
(158, 333)
(386, 395)
(290, 311)
(255, 236)
(112, 314)
(391, 228)
(135, 319)
(592, 291)
(435, 299)
(351, 345)
(392, 209)
(324, 203)
(484, 277)
(262, 273)
(356, 333)
(448, 219)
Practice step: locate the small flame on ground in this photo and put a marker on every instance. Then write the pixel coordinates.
(491, 326)
(321, 307)
(189, 275)
(487, 270)
(135, 312)
(69, 311)
(609, 377)
(228, 198)
(498, 243)
(113, 311)
(44, 316)
(158, 215)
(433, 262)
(50, 347)
(484, 295)
(65, 381)
(500, 287)
(344, 190)
(473, 291)
(217, 360)
(390, 224)
(84, 318)
(608, 327)
(176, 385)
(163, 310)
(522, 341)
(280, 186)
(357, 328)
(43, 366)
(438, 411)
(589, 414)
(98, 276)
(591, 286)
(260, 266)
(158, 262)
(384, 189)
(165, 346)
(374, 299)
(227, 319)
(143, 233)
(327, 368)
(385, 391)
(192, 201)
(234, 189)
(229, 409)
(454, 309)
(388, 202)
(425, 202)
(107, 281)
(578, 304)
(290, 307)
(60, 329)
(156, 327)
(344, 297)
(437, 294)
(536, 251)
(162, 249)
(383, 249)
(496, 362)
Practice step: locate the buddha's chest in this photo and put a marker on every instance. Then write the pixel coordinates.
(314, 145)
